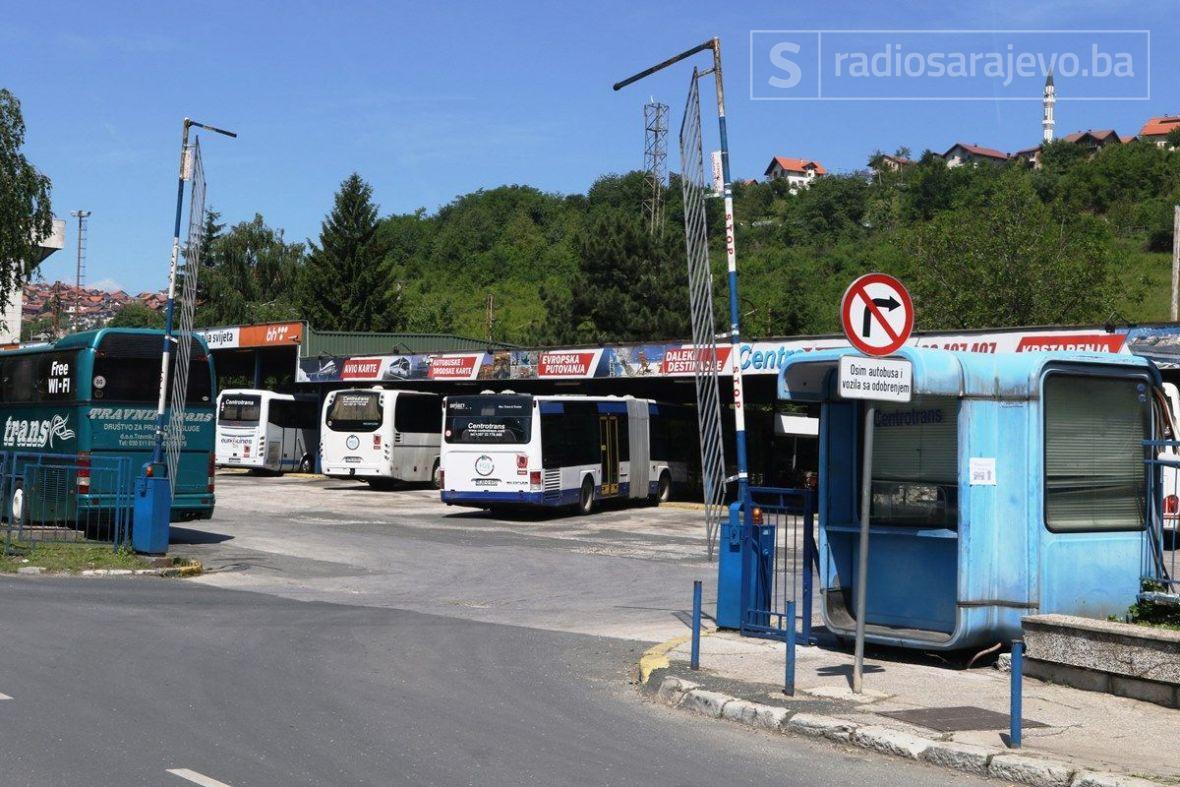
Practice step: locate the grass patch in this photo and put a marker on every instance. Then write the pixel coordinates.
(69, 558)
(1157, 614)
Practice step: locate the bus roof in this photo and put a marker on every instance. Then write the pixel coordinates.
(92, 338)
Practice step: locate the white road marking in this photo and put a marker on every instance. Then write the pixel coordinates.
(196, 778)
(5, 697)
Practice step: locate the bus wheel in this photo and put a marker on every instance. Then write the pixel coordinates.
(434, 476)
(304, 465)
(663, 489)
(586, 500)
(17, 505)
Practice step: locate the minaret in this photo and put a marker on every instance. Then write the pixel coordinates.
(1050, 99)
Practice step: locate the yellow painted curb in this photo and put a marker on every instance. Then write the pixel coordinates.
(656, 657)
(683, 505)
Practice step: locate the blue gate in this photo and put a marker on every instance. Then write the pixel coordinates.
(768, 565)
(63, 497)
(1162, 545)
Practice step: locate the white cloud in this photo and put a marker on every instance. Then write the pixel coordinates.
(110, 285)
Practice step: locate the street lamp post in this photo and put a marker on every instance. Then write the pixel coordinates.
(153, 492)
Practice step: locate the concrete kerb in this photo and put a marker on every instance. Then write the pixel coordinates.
(999, 763)
(190, 568)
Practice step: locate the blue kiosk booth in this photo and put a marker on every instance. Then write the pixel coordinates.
(1007, 485)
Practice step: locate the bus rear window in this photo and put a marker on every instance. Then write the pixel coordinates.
(355, 411)
(489, 419)
(127, 369)
(240, 410)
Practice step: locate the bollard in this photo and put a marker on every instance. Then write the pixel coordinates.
(695, 662)
(1017, 680)
(789, 677)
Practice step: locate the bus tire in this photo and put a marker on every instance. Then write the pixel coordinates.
(434, 476)
(304, 464)
(16, 504)
(586, 497)
(663, 488)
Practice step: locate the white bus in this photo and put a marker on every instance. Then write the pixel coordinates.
(267, 431)
(381, 436)
(508, 450)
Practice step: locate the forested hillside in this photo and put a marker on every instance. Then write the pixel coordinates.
(1083, 239)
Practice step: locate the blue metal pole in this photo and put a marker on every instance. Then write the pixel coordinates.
(789, 677)
(808, 561)
(161, 405)
(739, 399)
(1014, 726)
(695, 659)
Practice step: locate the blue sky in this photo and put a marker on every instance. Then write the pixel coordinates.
(428, 101)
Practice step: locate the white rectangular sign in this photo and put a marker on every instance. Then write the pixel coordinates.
(983, 471)
(718, 174)
(883, 379)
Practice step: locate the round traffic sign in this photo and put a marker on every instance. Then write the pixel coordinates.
(877, 314)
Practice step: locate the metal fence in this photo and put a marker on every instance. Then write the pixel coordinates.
(704, 326)
(186, 282)
(65, 498)
(1160, 560)
(785, 568)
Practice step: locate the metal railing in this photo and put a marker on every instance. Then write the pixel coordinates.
(1161, 553)
(785, 568)
(65, 498)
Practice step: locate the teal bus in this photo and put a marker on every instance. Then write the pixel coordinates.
(90, 398)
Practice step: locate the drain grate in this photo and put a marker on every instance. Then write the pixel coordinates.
(957, 719)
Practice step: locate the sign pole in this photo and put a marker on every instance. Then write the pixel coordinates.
(1176, 264)
(862, 558)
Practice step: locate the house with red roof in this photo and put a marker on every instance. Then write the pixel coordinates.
(962, 153)
(1156, 129)
(797, 172)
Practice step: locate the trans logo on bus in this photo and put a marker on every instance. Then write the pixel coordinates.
(484, 465)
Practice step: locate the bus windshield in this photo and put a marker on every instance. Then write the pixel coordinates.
(355, 411)
(240, 410)
(502, 418)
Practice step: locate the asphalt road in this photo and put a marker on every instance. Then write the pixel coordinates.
(345, 636)
(118, 681)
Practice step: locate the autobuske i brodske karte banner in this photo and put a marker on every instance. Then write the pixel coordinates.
(677, 359)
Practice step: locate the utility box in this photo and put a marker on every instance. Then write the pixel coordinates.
(152, 512)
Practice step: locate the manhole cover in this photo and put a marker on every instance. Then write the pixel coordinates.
(957, 719)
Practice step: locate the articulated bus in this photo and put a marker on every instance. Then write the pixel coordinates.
(508, 450)
(267, 431)
(380, 436)
(94, 394)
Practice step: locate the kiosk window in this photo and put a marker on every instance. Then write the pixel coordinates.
(1094, 472)
(915, 463)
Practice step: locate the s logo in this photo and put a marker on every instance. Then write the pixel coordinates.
(794, 75)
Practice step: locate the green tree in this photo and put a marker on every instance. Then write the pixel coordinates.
(629, 285)
(1173, 138)
(1013, 261)
(253, 278)
(134, 314)
(26, 216)
(346, 283)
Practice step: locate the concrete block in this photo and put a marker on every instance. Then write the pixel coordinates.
(742, 711)
(960, 756)
(707, 703)
(1105, 646)
(119, 572)
(1067, 675)
(31, 570)
(1030, 770)
(887, 741)
(672, 689)
(818, 726)
(1146, 690)
(768, 717)
(1094, 779)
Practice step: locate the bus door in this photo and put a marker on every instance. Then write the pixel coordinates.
(608, 429)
